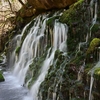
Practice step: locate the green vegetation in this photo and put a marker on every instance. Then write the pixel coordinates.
(70, 15)
(17, 50)
(1, 77)
(93, 44)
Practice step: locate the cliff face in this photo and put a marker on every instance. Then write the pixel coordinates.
(49, 4)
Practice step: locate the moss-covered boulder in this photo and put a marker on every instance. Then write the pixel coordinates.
(1, 77)
(93, 44)
(71, 16)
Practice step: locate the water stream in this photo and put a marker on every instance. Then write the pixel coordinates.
(10, 89)
(33, 46)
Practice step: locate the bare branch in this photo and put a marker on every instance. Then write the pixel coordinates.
(10, 5)
(22, 3)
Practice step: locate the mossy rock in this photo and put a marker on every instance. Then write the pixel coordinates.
(95, 28)
(88, 67)
(97, 73)
(70, 15)
(51, 20)
(93, 44)
(1, 77)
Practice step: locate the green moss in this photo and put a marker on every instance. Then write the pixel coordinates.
(57, 52)
(93, 44)
(95, 28)
(88, 67)
(20, 19)
(97, 73)
(1, 59)
(70, 15)
(1, 77)
(35, 70)
(51, 20)
(77, 60)
(17, 50)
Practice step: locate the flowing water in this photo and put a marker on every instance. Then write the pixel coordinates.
(33, 46)
(92, 78)
(93, 8)
(94, 4)
(10, 89)
(29, 50)
(59, 37)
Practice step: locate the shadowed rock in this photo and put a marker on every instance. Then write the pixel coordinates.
(49, 4)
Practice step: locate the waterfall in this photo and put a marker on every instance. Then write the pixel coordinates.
(34, 45)
(16, 43)
(59, 38)
(92, 78)
(29, 49)
(93, 13)
(94, 4)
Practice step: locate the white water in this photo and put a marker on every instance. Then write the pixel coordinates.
(17, 41)
(94, 19)
(29, 49)
(92, 78)
(33, 46)
(10, 89)
(81, 70)
(59, 36)
(93, 13)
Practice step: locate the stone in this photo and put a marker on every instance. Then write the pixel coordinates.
(49, 4)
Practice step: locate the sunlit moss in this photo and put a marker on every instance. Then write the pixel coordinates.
(69, 16)
(97, 73)
(93, 44)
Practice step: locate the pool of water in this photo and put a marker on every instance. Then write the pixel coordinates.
(10, 89)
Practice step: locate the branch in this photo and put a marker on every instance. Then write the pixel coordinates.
(10, 5)
(22, 3)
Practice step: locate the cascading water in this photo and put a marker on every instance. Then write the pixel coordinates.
(93, 13)
(94, 4)
(59, 37)
(29, 49)
(33, 46)
(16, 43)
(92, 78)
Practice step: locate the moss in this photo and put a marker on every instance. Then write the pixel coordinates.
(70, 15)
(51, 20)
(78, 60)
(95, 28)
(17, 50)
(97, 73)
(35, 69)
(19, 19)
(1, 77)
(88, 67)
(57, 52)
(93, 44)
(1, 59)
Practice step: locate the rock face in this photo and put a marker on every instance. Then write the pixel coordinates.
(49, 4)
(38, 6)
